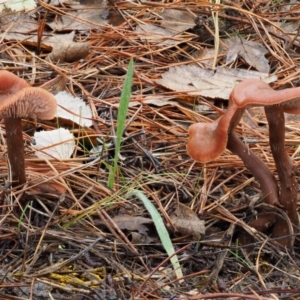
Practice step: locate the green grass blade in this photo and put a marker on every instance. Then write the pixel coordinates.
(161, 230)
(122, 113)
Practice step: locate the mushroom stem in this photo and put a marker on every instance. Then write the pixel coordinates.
(257, 167)
(15, 150)
(285, 169)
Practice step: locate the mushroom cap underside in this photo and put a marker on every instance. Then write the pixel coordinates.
(30, 102)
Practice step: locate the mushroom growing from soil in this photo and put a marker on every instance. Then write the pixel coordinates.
(18, 100)
(207, 141)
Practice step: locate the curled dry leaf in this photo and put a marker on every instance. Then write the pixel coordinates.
(186, 222)
(57, 143)
(137, 226)
(252, 52)
(138, 238)
(74, 109)
(177, 20)
(66, 50)
(155, 34)
(204, 56)
(131, 223)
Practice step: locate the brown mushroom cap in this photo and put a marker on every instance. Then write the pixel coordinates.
(257, 92)
(10, 84)
(206, 142)
(29, 102)
(19, 100)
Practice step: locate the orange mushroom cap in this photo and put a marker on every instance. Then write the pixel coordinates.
(257, 92)
(10, 83)
(208, 140)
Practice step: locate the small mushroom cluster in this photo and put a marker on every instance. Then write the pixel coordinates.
(19, 100)
(208, 140)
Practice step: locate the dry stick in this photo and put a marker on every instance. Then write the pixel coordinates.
(257, 167)
(285, 169)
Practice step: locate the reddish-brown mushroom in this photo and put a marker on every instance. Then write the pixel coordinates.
(255, 92)
(19, 100)
(208, 140)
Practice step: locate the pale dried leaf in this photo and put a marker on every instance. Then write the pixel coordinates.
(173, 22)
(59, 143)
(186, 222)
(206, 82)
(17, 26)
(177, 20)
(252, 52)
(66, 50)
(205, 57)
(154, 34)
(17, 5)
(139, 238)
(82, 17)
(291, 29)
(17, 23)
(132, 223)
(74, 109)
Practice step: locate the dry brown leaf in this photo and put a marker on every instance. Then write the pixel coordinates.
(138, 238)
(18, 26)
(205, 56)
(206, 82)
(65, 50)
(132, 223)
(50, 187)
(173, 22)
(291, 29)
(186, 222)
(17, 54)
(177, 20)
(155, 34)
(82, 17)
(252, 52)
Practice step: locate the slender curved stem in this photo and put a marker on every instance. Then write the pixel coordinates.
(257, 167)
(285, 169)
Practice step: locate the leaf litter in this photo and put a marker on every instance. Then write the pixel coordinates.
(62, 249)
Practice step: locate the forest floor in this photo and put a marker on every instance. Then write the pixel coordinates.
(89, 239)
